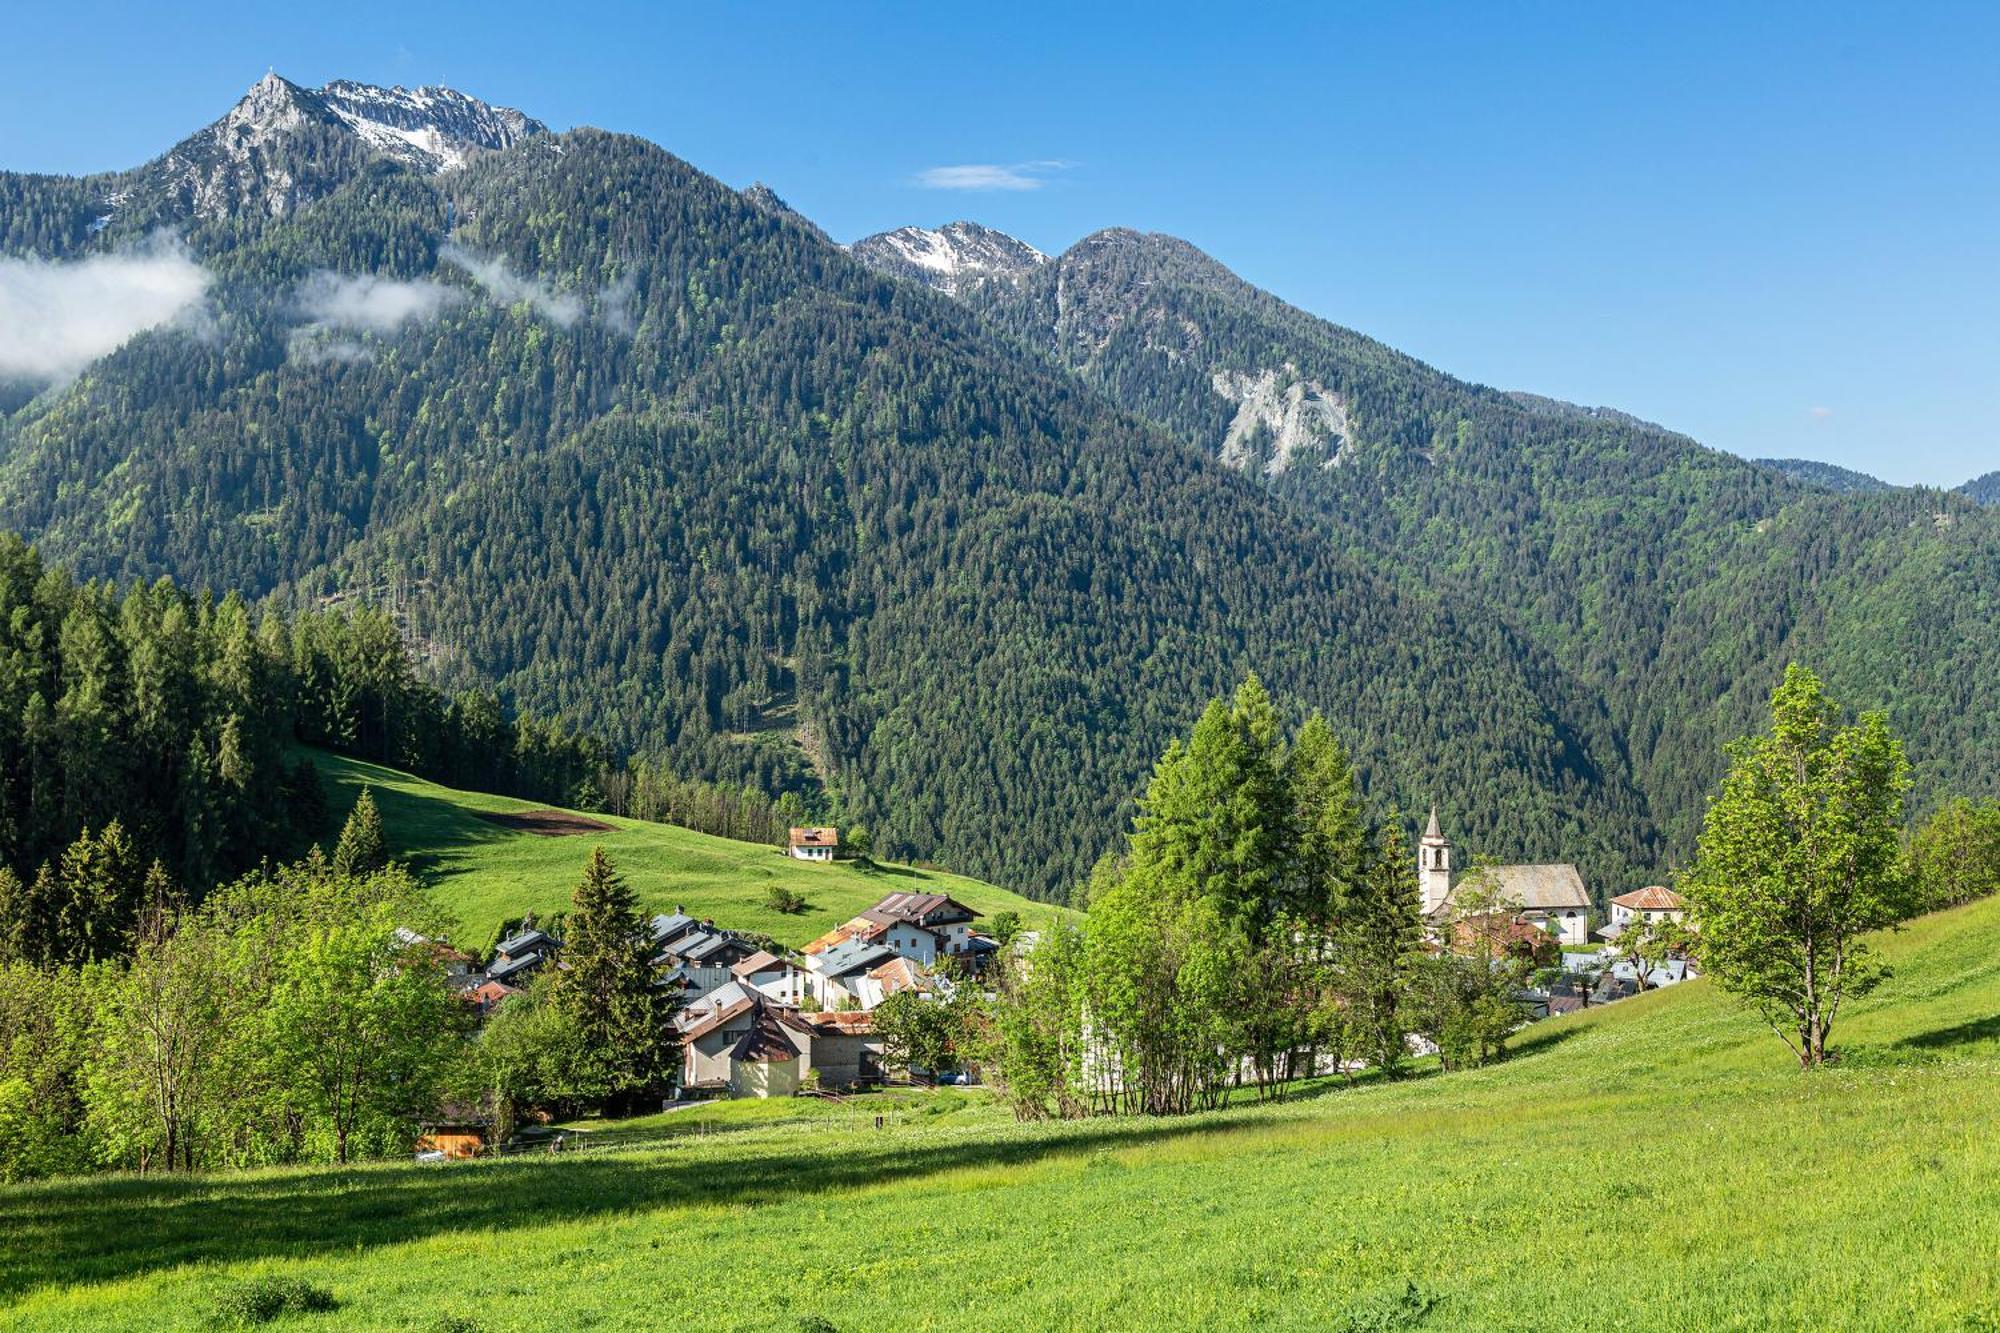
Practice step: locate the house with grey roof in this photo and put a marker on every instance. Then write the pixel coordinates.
(741, 1042)
(836, 975)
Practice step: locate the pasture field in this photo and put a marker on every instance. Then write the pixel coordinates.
(487, 872)
(1660, 1163)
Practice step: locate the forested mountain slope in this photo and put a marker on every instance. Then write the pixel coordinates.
(1673, 581)
(1819, 476)
(660, 461)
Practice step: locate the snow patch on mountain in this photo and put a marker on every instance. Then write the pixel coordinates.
(1281, 418)
(278, 147)
(433, 128)
(953, 259)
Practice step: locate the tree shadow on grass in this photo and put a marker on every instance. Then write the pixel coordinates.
(1541, 1037)
(1958, 1034)
(105, 1230)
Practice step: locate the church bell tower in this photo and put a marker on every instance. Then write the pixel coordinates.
(1433, 866)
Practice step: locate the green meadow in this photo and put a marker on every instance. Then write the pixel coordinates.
(1656, 1164)
(486, 873)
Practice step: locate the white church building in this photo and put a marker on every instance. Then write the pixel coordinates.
(1550, 896)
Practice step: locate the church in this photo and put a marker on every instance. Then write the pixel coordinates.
(1549, 896)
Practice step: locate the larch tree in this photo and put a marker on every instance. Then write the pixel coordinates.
(1798, 860)
(1378, 946)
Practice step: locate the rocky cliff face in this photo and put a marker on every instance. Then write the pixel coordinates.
(1282, 419)
(284, 145)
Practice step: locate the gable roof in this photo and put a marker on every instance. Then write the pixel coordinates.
(854, 956)
(880, 923)
(765, 1042)
(761, 961)
(926, 909)
(513, 966)
(668, 927)
(490, 992)
(815, 837)
(849, 1023)
(1532, 888)
(709, 947)
(838, 935)
(1652, 898)
(716, 1008)
(900, 974)
(524, 941)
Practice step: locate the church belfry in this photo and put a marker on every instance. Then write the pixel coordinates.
(1433, 866)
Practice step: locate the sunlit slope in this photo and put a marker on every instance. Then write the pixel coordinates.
(487, 873)
(1656, 1164)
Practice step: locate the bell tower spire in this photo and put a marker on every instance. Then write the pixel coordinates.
(1433, 866)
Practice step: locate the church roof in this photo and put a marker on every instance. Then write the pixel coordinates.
(1529, 887)
(1535, 888)
(1433, 832)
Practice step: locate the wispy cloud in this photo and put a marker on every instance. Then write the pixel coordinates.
(370, 304)
(991, 175)
(56, 318)
(336, 306)
(1819, 413)
(505, 285)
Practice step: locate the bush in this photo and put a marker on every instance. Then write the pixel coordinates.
(789, 901)
(259, 1300)
(816, 1323)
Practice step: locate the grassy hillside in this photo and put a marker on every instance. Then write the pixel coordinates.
(1654, 1164)
(487, 873)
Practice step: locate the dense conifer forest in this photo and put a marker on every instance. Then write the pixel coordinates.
(1671, 582)
(668, 468)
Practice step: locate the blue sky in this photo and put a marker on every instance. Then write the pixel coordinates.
(1776, 228)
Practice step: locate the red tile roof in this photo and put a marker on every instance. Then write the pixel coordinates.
(815, 837)
(1652, 898)
(900, 974)
(852, 1022)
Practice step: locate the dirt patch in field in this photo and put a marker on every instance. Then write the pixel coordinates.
(547, 823)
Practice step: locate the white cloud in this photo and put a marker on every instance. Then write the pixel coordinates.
(57, 318)
(614, 305)
(1819, 413)
(509, 287)
(369, 304)
(990, 175)
(316, 345)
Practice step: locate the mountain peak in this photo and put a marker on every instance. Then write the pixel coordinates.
(953, 259)
(765, 200)
(281, 144)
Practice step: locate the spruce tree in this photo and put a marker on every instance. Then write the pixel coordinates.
(361, 849)
(608, 987)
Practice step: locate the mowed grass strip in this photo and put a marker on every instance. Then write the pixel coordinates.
(487, 872)
(1659, 1163)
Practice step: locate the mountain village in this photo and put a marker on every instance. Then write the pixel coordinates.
(759, 1020)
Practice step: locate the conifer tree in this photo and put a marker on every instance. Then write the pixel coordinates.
(1377, 947)
(361, 849)
(1332, 845)
(607, 985)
